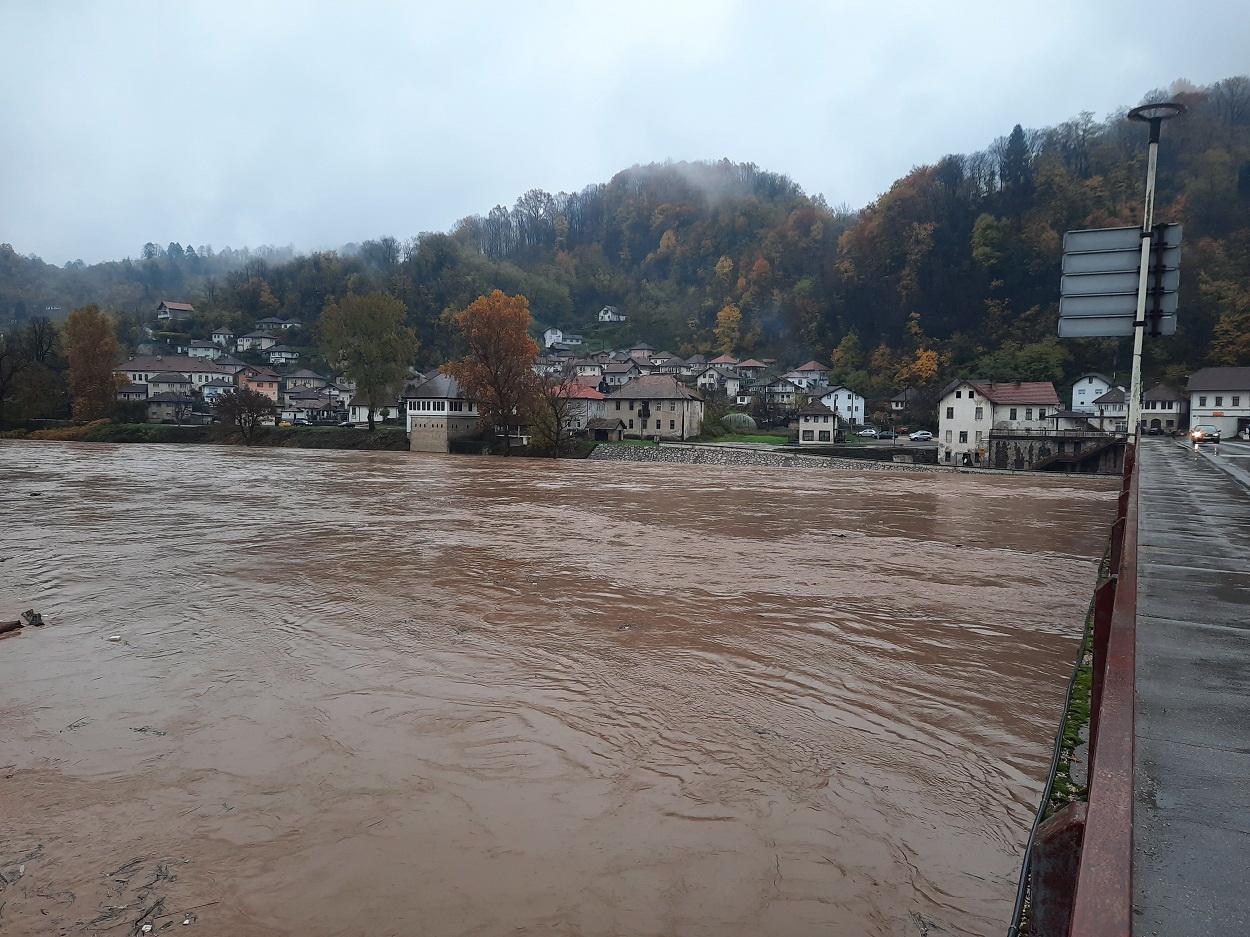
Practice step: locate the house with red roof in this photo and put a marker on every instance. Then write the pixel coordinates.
(970, 410)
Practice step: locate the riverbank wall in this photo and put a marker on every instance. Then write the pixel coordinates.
(728, 455)
(389, 438)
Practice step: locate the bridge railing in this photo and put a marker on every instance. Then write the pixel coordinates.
(1103, 904)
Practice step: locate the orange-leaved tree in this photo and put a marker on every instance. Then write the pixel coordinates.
(91, 348)
(497, 372)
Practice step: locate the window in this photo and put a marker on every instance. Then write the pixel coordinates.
(807, 435)
(963, 435)
(958, 395)
(1236, 400)
(948, 435)
(657, 424)
(1219, 400)
(631, 423)
(1041, 413)
(1028, 413)
(672, 424)
(971, 395)
(824, 435)
(1013, 414)
(978, 436)
(672, 405)
(980, 413)
(950, 413)
(1202, 401)
(618, 405)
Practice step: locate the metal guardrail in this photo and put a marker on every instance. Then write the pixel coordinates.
(1058, 433)
(1103, 905)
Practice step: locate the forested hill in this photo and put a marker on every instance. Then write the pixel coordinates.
(955, 267)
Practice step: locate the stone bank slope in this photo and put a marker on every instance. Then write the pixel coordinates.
(725, 455)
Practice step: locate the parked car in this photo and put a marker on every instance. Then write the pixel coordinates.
(921, 435)
(867, 431)
(1244, 434)
(1204, 432)
(1154, 431)
(887, 434)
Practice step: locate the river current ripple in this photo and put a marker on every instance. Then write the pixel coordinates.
(375, 693)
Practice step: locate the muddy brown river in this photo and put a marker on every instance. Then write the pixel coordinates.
(381, 694)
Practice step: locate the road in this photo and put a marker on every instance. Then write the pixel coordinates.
(1192, 761)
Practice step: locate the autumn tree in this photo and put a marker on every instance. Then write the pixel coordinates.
(497, 372)
(551, 411)
(246, 410)
(365, 337)
(91, 348)
(728, 328)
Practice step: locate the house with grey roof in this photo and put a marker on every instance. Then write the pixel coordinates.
(656, 406)
(437, 411)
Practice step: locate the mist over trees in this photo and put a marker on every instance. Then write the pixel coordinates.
(953, 270)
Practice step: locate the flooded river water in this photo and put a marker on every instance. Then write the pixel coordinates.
(381, 694)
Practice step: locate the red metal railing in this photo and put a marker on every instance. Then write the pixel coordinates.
(1104, 891)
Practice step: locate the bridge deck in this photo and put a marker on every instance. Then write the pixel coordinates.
(1191, 832)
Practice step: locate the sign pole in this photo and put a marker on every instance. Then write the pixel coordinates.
(1154, 114)
(1143, 282)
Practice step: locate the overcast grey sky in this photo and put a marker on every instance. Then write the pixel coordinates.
(315, 124)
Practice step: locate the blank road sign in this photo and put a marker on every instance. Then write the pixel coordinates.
(1117, 239)
(1120, 261)
(1109, 326)
(1114, 304)
(1126, 282)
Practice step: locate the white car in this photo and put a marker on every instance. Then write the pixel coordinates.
(921, 435)
(867, 431)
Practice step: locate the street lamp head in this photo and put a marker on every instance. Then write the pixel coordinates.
(1148, 113)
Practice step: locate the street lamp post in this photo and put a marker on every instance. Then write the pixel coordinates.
(1155, 115)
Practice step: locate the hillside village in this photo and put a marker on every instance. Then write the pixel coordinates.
(638, 392)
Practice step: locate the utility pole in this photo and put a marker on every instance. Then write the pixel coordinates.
(1155, 115)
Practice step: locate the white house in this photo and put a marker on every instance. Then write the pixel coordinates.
(782, 392)
(203, 349)
(843, 401)
(720, 380)
(1164, 408)
(818, 425)
(223, 336)
(437, 411)
(808, 375)
(167, 311)
(969, 410)
(257, 340)
(1220, 397)
(1086, 389)
(620, 373)
(281, 354)
(358, 410)
(905, 398)
(215, 388)
(141, 369)
(587, 367)
(611, 314)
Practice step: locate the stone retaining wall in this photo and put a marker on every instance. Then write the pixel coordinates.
(723, 455)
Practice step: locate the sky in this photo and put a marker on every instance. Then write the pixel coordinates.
(316, 124)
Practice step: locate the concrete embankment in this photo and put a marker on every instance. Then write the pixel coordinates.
(725, 455)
